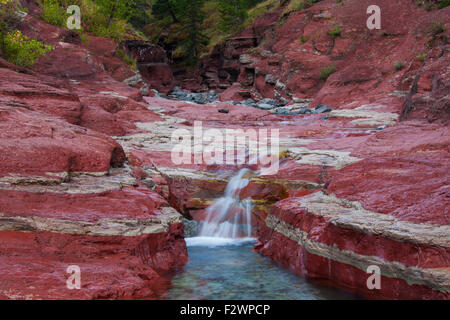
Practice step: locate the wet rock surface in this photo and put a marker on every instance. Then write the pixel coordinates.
(199, 98)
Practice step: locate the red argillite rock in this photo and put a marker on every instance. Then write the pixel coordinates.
(388, 210)
(67, 195)
(37, 146)
(124, 242)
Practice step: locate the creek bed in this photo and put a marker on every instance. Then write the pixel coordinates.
(229, 269)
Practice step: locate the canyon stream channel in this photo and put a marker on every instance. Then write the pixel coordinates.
(222, 264)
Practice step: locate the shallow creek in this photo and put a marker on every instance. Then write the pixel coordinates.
(222, 264)
(229, 269)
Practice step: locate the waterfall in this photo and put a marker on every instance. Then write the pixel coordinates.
(229, 216)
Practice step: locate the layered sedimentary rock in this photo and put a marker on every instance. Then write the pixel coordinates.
(387, 208)
(67, 195)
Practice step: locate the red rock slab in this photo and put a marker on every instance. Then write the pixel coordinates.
(33, 143)
(113, 114)
(399, 139)
(291, 170)
(294, 257)
(101, 46)
(158, 75)
(36, 28)
(133, 203)
(321, 229)
(410, 187)
(33, 265)
(311, 127)
(8, 65)
(30, 92)
(103, 83)
(163, 103)
(147, 158)
(68, 61)
(233, 93)
(91, 75)
(72, 58)
(431, 101)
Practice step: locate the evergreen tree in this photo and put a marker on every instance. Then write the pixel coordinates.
(193, 19)
(233, 14)
(115, 9)
(139, 17)
(163, 8)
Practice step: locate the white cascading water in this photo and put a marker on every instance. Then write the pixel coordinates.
(229, 216)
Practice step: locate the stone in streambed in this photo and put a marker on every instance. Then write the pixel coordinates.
(321, 108)
(248, 102)
(272, 102)
(304, 111)
(264, 106)
(190, 228)
(196, 97)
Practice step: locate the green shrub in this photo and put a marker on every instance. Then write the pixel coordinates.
(335, 32)
(303, 39)
(430, 4)
(115, 31)
(399, 65)
(443, 4)
(436, 28)
(325, 72)
(21, 50)
(426, 4)
(53, 13)
(8, 16)
(83, 36)
(304, 4)
(422, 57)
(127, 59)
(98, 17)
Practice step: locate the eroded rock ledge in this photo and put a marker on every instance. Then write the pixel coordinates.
(101, 227)
(338, 240)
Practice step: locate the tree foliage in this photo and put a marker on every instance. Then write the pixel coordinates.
(21, 50)
(164, 8)
(190, 16)
(234, 13)
(193, 20)
(8, 15)
(115, 9)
